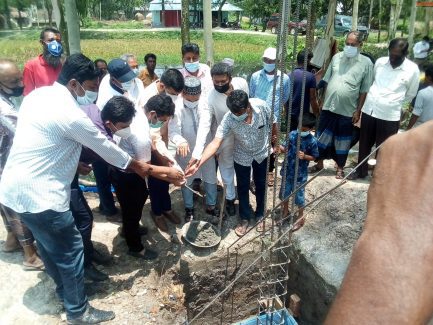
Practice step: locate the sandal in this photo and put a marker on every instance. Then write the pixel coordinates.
(314, 169)
(36, 265)
(298, 224)
(271, 180)
(339, 174)
(260, 226)
(160, 223)
(241, 228)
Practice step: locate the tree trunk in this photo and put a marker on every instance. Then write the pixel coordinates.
(370, 14)
(184, 28)
(329, 32)
(73, 23)
(412, 23)
(309, 37)
(207, 31)
(56, 12)
(394, 16)
(7, 14)
(355, 15)
(428, 19)
(379, 20)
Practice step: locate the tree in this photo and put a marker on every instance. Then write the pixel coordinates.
(355, 15)
(184, 28)
(412, 23)
(207, 30)
(260, 9)
(7, 13)
(394, 16)
(71, 15)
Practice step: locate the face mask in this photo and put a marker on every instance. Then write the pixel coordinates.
(88, 98)
(269, 67)
(127, 86)
(240, 118)
(123, 133)
(192, 66)
(189, 104)
(305, 133)
(350, 51)
(173, 97)
(156, 125)
(135, 70)
(55, 48)
(222, 89)
(15, 92)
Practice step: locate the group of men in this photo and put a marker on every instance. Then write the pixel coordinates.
(78, 115)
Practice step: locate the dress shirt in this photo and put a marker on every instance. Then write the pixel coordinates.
(262, 87)
(391, 89)
(44, 156)
(251, 141)
(214, 112)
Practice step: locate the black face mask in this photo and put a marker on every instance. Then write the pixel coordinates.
(16, 92)
(222, 89)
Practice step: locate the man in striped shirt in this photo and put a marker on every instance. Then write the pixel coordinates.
(41, 165)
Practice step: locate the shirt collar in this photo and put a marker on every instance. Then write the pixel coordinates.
(400, 67)
(263, 73)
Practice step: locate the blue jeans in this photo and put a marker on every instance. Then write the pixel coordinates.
(211, 195)
(103, 183)
(243, 174)
(61, 248)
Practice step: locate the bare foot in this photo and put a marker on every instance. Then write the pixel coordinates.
(11, 244)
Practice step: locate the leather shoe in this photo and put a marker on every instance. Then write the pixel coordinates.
(160, 223)
(93, 316)
(173, 217)
(100, 258)
(93, 274)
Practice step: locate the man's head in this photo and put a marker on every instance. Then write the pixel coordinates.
(132, 62)
(353, 44)
(429, 73)
(269, 58)
(121, 74)
(300, 58)
(11, 79)
(159, 109)
(191, 57)
(80, 75)
(426, 39)
(238, 104)
(117, 115)
(221, 76)
(52, 48)
(308, 122)
(191, 92)
(102, 66)
(172, 82)
(398, 49)
(150, 62)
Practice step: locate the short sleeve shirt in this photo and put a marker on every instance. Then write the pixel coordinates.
(297, 77)
(424, 105)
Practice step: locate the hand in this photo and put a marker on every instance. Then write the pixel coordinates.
(301, 155)
(356, 116)
(165, 161)
(83, 169)
(192, 161)
(183, 149)
(175, 174)
(192, 169)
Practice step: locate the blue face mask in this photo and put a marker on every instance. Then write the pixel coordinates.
(55, 48)
(192, 66)
(240, 118)
(269, 67)
(157, 125)
(305, 133)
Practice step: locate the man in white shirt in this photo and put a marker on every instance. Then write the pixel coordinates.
(420, 50)
(224, 85)
(396, 80)
(423, 108)
(41, 166)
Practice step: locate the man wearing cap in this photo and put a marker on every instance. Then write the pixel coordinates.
(120, 80)
(261, 86)
(182, 131)
(44, 69)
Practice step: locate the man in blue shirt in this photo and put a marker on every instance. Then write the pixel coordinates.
(262, 85)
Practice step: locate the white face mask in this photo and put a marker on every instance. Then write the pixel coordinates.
(128, 86)
(135, 70)
(123, 133)
(88, 98)
(173, 97)
(189, 104)
(350, 51)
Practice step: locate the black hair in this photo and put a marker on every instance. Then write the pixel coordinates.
(308, 120)
(220, 69)
(161, 104)
(426, 38)
(190, 47)
(149, 56)
(429, 71)
(173, 78)
(118, 109)
(100, 60)
(78, 67)
(359, 36)
(237, 101)
(48, 29)
(300, 58)
(400, 43)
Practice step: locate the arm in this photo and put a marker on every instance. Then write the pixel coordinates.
(169, 174)
(175, 134)
(357, 113)
(313, 101)
(412, 121)
(208, 152)
(417, 110)
(204, 125)
(413, 87)
(253, 85)
(389, 280)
